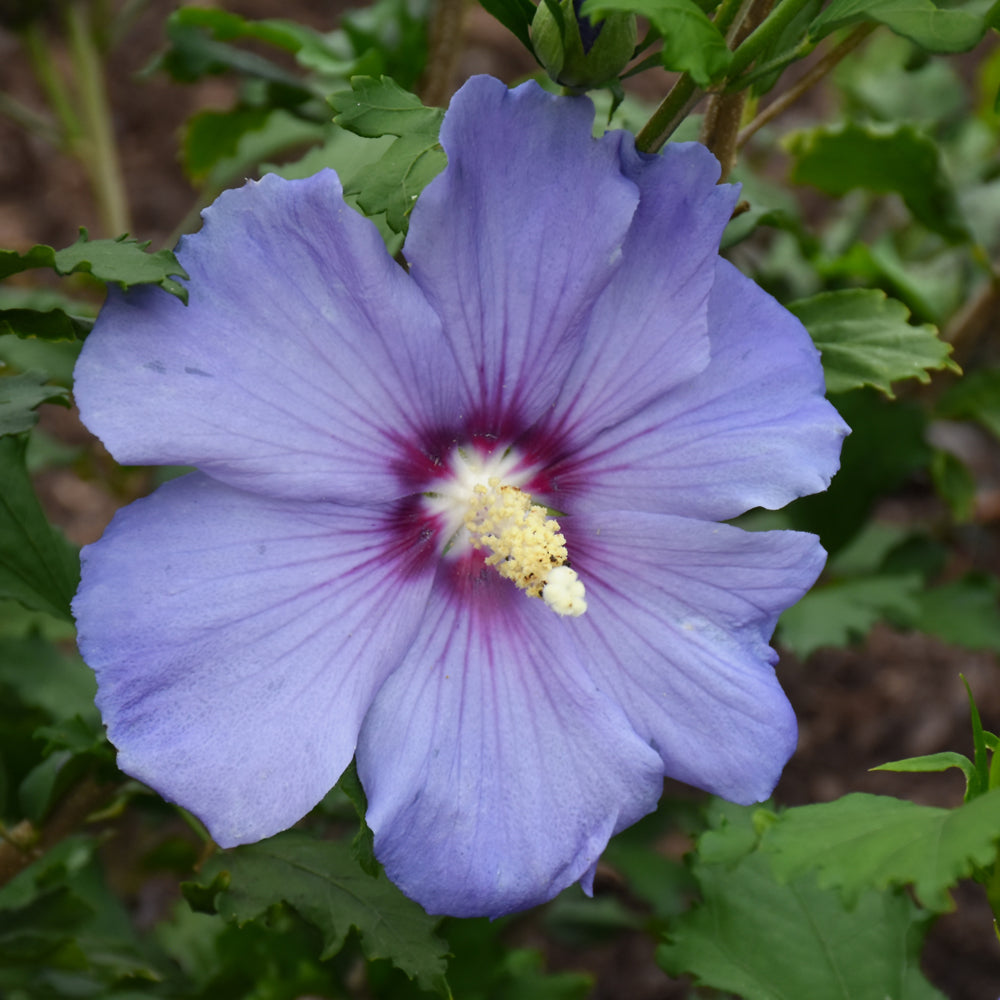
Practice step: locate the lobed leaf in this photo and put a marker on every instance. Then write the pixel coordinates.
(881, 158)
(323, 882)
(862, 841)
(393, 183)
(746, 919)
(963, 612)
(691, 42)
(390, 185)
(121, 261)
(865, 338)
(377, 107)
(363, 844)
(843, 612)
(43, 314)
(38, 567)
(21, 395)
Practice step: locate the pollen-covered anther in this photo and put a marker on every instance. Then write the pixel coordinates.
(525, 545)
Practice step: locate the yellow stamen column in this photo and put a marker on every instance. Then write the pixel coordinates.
(525, 545)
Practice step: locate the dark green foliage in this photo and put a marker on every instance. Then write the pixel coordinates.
(843, 612)
(515, 16)
(36, 312)
(863, 841)
(691, 42)
(865, 339)
(123, 262)
(885, 446)
(38, 567)
(363, 845)
(963, 612)
(324, 883)
(896, 158)
(934, 27)
(747, 917)
(20, 395)
(976, 397)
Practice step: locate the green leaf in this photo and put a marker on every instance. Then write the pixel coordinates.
(56, 357)
(198, 38)
(38, 675)
(963, 612)
(373, 109)
(936, 29)
(861, 841)
(64, 934)
(41, 313)
(38, 567)
(74, 747)
(886, 445)
(980, 755)
(864, 339)
(325, 885)
(975, 397)
(885, 80)
(210, 136)
(955, 484)
(363, 844)
(691, 43)
(840, 613)
(226, 26)
(395, 180)
(280, 132)
(514, 15)
(730, 940)
(121, 261)
(932, 763)
(388, 36)
(522, 976)
(881, 158)
(20, 395)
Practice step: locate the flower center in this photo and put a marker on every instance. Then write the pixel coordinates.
(525, 545)
(484, 508)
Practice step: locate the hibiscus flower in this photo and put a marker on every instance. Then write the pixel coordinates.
(459, 520)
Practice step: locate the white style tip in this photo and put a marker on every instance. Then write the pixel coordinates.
(564, 592)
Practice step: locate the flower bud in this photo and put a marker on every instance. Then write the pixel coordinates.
(579, 53)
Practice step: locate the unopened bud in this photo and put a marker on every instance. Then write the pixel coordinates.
(580, 53)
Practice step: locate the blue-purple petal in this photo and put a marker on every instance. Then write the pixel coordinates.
(238, 641)
(648, 331)
(305, 360)
(516, 239)
(679, 617)
(495, 769)
(752, 430)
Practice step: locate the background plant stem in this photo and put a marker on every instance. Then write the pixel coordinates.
(97, 147)
(818, 72)
(685, 93)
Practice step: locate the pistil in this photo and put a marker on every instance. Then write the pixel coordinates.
(525, 545)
